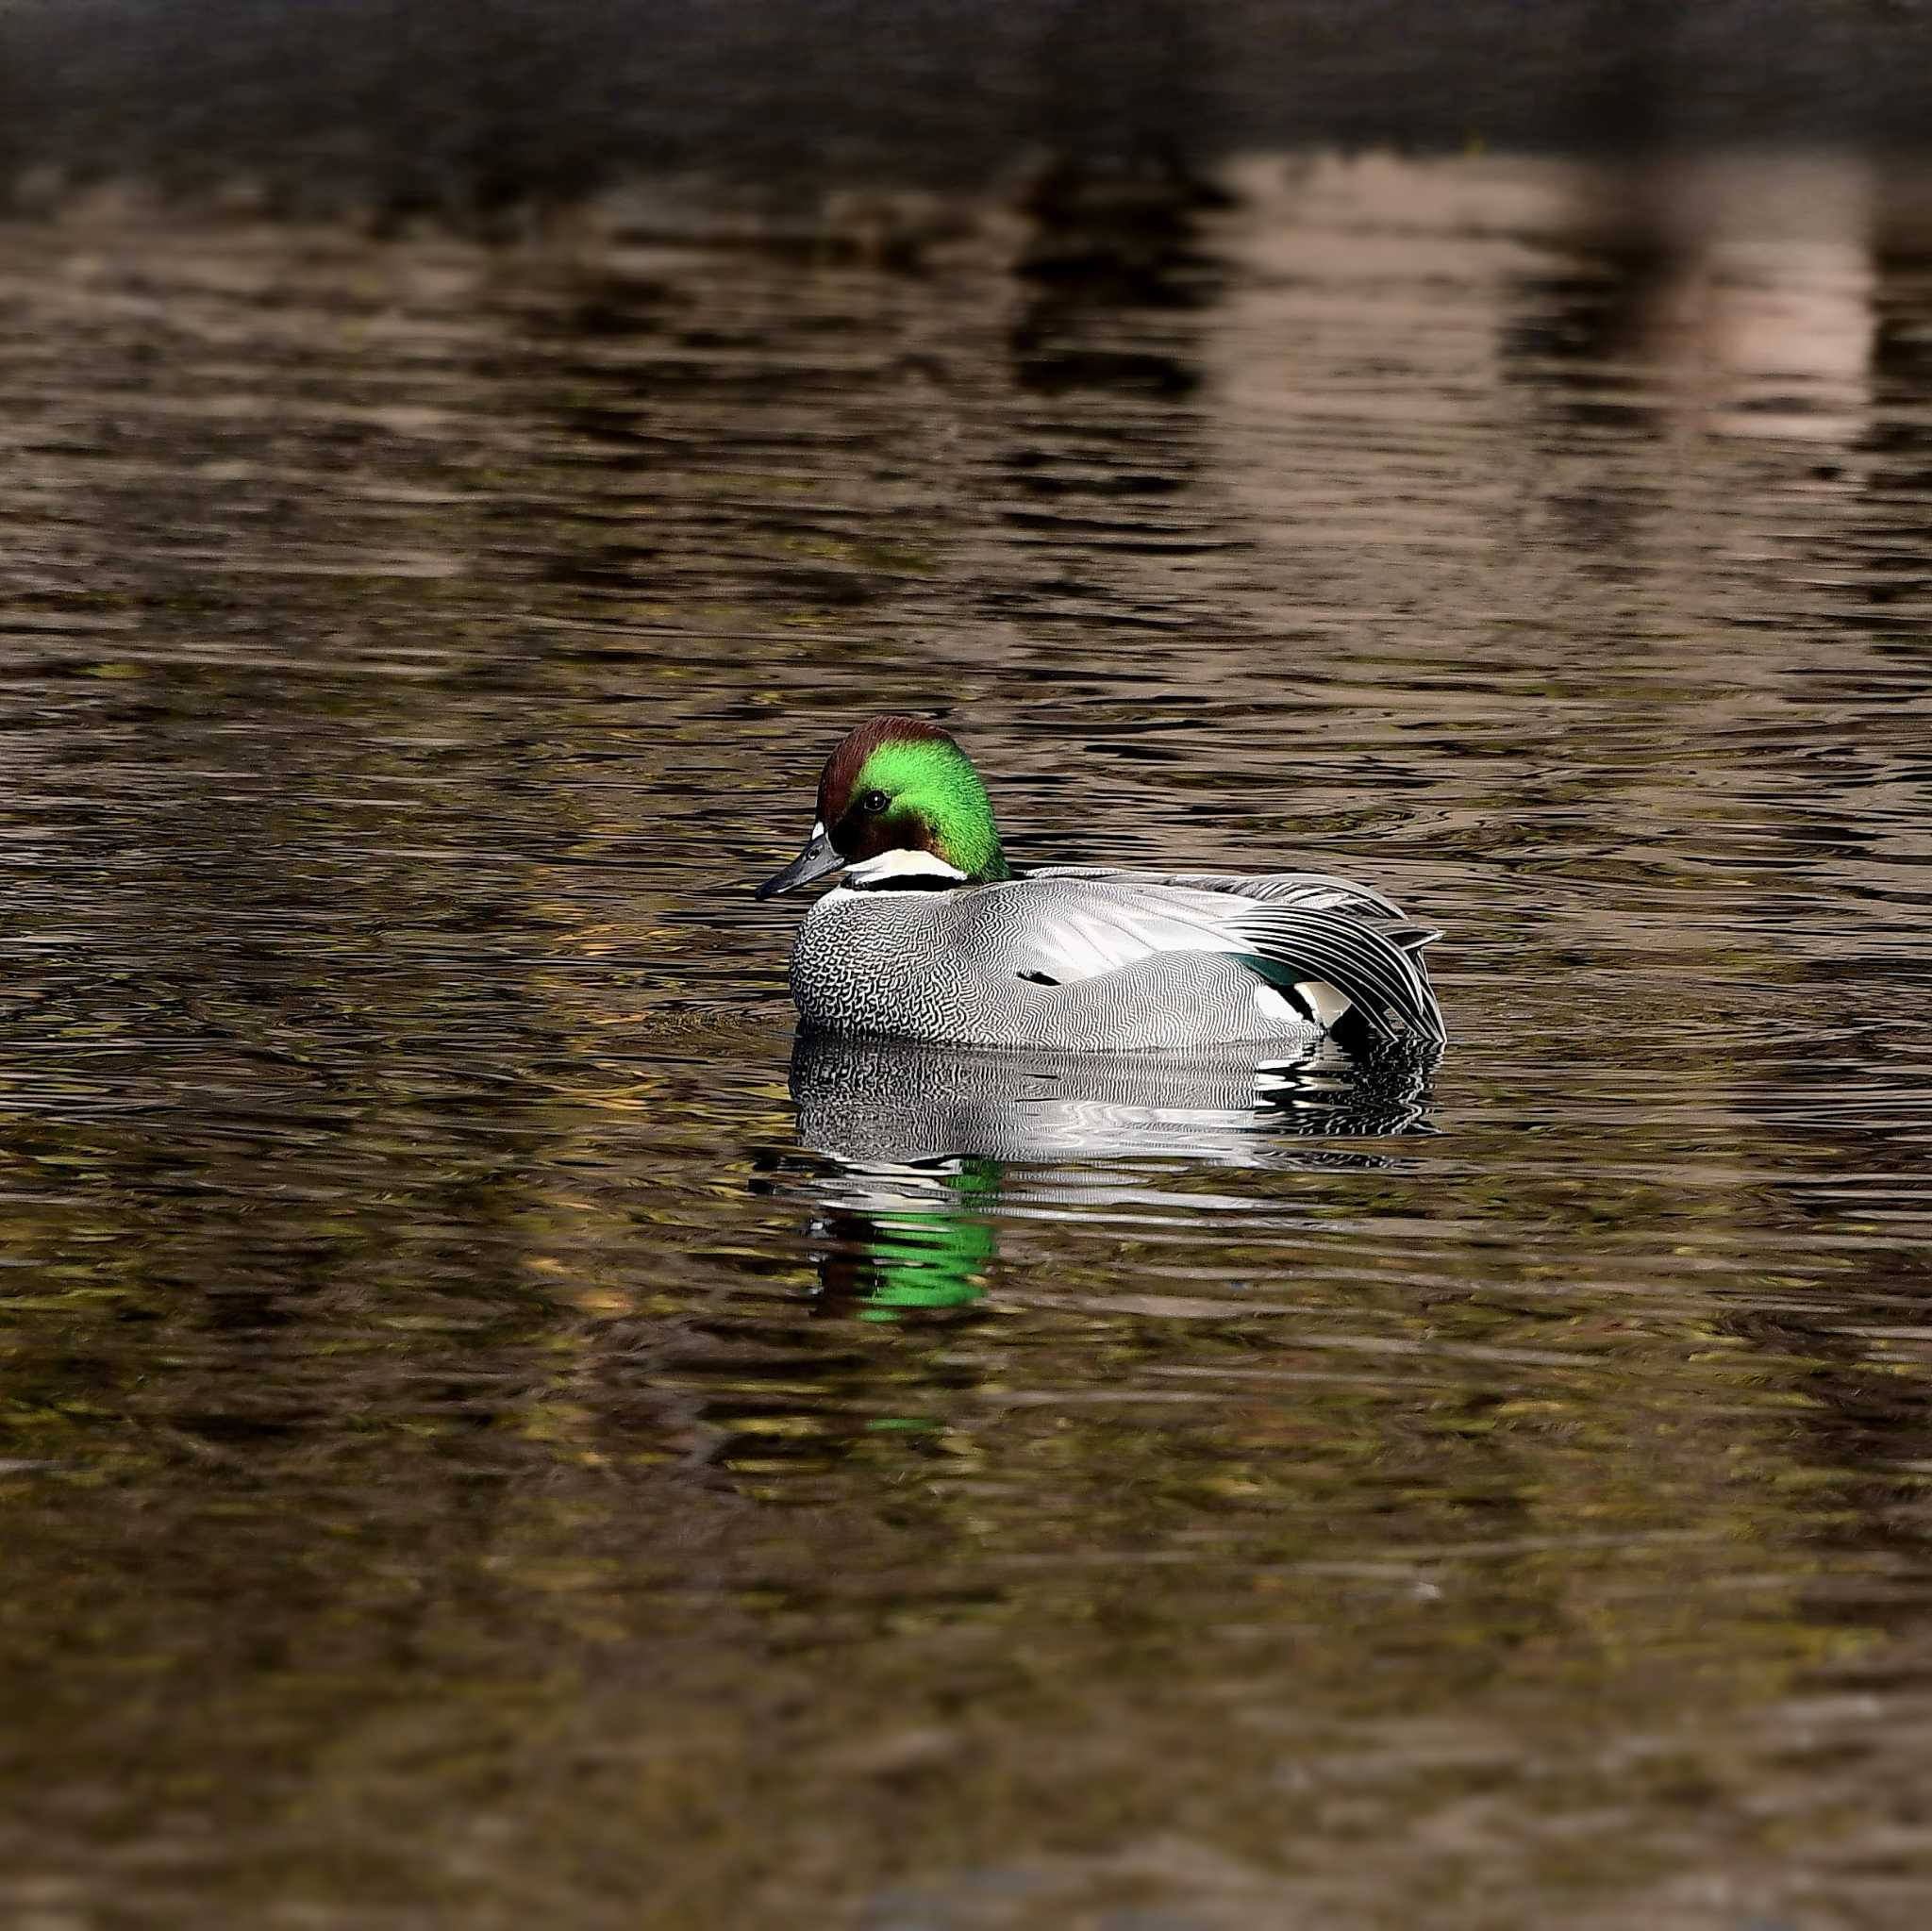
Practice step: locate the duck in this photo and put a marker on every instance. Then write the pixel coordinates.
(931, 936)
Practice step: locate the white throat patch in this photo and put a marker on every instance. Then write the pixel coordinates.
(901, 864)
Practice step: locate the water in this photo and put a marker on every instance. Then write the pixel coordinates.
(479, 1451)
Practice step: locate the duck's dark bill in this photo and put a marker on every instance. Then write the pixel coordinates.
(820, 857)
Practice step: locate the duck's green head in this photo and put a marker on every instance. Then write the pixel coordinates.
(899, 801)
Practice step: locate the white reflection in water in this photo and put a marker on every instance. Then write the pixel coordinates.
(927, 1147)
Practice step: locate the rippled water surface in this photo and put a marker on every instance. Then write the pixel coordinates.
(491, 1439)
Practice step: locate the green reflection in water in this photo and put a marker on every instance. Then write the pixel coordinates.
(931, 1256)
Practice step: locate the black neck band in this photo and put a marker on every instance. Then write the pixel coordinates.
(907, 881)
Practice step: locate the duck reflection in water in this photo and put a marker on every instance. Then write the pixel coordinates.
(923, 1149)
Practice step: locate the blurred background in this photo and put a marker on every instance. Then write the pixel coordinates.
(494, 1432)
(475, 110)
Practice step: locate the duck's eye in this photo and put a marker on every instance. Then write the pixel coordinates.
(872, 801)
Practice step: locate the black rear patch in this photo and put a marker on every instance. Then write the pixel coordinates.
(1038, 979)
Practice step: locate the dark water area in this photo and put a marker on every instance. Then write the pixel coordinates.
(496, 1435)
(480, 110)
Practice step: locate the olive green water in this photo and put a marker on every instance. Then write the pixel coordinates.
(478, 1453)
